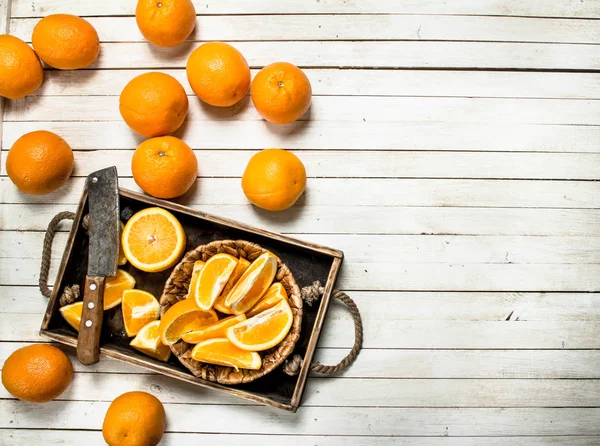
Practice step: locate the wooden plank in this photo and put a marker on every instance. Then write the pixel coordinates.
(358, 82)
(411, 306)
(328, 27)
(333, 108)
(351, 219)
(407, 334)
(324, 420)
(367, 192)
(388, 54)
(365, 135)
(379, 363)
(569, 8)
(409, 276)
(358, 392)
(392, 248)
(60, 437)
(351, 164)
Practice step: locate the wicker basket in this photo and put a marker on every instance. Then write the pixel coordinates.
(176, 289)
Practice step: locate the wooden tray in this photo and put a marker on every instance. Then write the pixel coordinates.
(307, 261)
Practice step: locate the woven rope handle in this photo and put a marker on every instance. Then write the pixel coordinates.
(47, 250)
(310, 294)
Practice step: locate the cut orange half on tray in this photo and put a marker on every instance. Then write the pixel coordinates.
(148, 342)
(239, 270)
(139, 309)
(153, 240)
(212, 279)
(263, 331)
(253, 284)
(72, 314)
(198, 265)
(220, 351)
(183, 317)
(115, 287)
(216, 330)
(274, 294)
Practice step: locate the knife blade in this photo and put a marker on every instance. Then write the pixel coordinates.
(103, 204)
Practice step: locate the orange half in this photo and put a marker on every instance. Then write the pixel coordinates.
(115, 287)
(153, 240)
(216, 330)
(212, 279)
(274, 294)
(183, 317)
(72, 314)
(148, 342)
(139, 309)
(220, 351)
(239, 270)
(253, 284)
(263, 331)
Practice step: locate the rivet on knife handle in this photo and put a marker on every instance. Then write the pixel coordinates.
(88, 343)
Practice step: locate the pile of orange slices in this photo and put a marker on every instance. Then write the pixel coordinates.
(233, 309)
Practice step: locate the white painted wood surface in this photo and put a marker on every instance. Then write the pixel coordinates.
(452, 150)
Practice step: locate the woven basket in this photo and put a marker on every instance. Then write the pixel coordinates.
(176, 289)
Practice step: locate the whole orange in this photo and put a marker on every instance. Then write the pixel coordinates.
(39, 162)
(134, 419)
(65, 41)
(153, 104)
(37, 373)
(165, 22)
(274, 179)
(218, 74)
(21, 72)
(281, 93)
(164, 167)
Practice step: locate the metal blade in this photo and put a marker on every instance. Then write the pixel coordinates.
(103, 202)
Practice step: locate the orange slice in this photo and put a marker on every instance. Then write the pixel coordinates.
(216, 330)
(271, 298)
(220, 351)
(212, 279)
(122, 258)
(241, 267)
(253, 284)
(148, 342)
(263, 331)
(183, 317)
(139, 309)
(198, 265)
(115, 287)
(153, 240)
(72, 314)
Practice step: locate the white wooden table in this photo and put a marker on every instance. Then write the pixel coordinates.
(452, 149)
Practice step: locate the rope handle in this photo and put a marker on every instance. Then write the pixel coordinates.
(311, 294)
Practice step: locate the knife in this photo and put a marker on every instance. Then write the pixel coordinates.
(103, 203)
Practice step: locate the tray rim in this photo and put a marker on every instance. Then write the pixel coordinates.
(336, 255)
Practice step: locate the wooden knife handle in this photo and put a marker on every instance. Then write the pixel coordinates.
(88, 342)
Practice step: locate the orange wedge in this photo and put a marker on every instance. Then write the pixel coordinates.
(216, 330)
(198, 265)
(122, 258)
(115, 287)
(139, 309)
(212, 279)
(271, 298)
(153, 240)
(263, 331)
(72, 314)
(220, 351)
(183, 317)
(148, 342)
(241, 267)
(253, 284)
